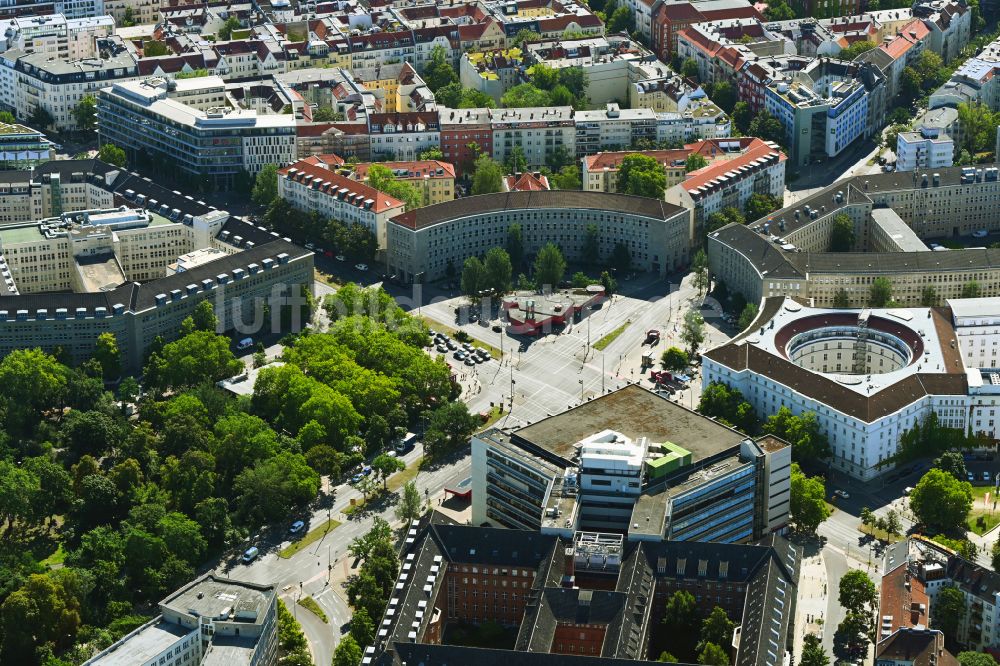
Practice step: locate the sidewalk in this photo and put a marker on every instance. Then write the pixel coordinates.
(812, 600)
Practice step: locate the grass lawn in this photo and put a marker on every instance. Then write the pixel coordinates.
(400, 479)
(310, 605)
(438, 327)
(495, 415)
(881, 535)
(55, 559)
(312, 537)
(610, 337)
(326, 278)
(983, 518)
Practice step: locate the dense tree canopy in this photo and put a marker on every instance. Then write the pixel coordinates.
(642, 176)
(941, 501)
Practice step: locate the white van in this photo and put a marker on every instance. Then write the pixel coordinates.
(250, 554)
(244, 344)
(406, 444)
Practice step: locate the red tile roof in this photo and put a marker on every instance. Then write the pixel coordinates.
(901, 592)
(417, 168)
(527, 182)
(756, 150)
(333, 182)
(613, 160)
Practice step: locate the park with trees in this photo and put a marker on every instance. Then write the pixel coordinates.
(103, 514)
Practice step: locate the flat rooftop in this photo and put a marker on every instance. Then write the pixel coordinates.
(143, 646)
(634, 412)
(211, 597)
(100, 273)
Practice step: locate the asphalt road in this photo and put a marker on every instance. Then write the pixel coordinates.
(306, 572)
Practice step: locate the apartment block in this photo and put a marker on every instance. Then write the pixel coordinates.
(56, 35)
(928, 148)
(599, 172)
(310, 185)
(403, 136)
(536, 130)
(613, 128)
(433, 179)
(465, 134)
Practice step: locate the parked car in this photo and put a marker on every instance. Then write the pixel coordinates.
(361, 267)
(250, 554)
(907, 490)
(296, 527)
(340, 257)
(497, 328)
(971, 477)
(471, 360)
(843, 494)
(986, 477)
(981, 233)
(310, 246)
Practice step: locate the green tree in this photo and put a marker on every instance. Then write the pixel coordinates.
(841, 299)
(880, 294)
(808, 501)
(487, 176)
(978, 125)
(152, 48)
(971, 289)
(693, 330)
(948, 611)
(385, 466)
(204, 317)
(621, 258)
(929, 296)
(550, 266)
(226, 31)
(767, 127)
(952, 462)
(41, 118)
(760, 205)
(106, 353)
(854, 50)
(809, 444)
(410, 505)
(348, 652)
(85, 113)
(742, 116)
(515, 246)
(724, 96)
(265, 185)
(812, 652)
(622, 19)
(524, 36)
(941, 501)
(976, 659)
(516, 162)
(641, 175)
(713, 655)
(609, 283)
(112, 154)
(857, 592)
(362, 627)
(449, 428)
(524, 95)
(689, 68)
(699, 269)
(7, 118)
(694, 162)
(717, 628)
(779, 11)
(45, 609)
(498, 270)
(18, 488)
(270, 489)
(474, 278)
(438, 72)
(199, 357)
(674, 359)
(682, 616)
(727, 406)
(747, 316)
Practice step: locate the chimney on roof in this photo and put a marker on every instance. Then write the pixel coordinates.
(569, 567)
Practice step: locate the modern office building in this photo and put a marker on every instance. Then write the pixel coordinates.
(86, 248)
(22, 147)
(208, 622)
(788, 254)
(926, 148)
(633, 463)
(423, 243)
(311, 185)
(585, 598)
(196, 125)
(823, 108)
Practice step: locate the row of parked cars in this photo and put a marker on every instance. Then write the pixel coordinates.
(462, 351)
